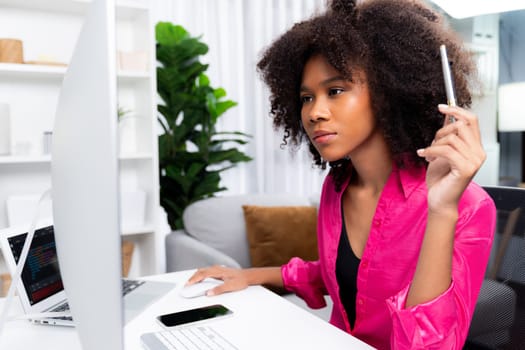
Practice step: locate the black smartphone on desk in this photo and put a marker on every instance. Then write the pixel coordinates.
(193, 315)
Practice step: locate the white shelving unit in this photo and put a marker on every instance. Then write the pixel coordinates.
(481, 35)
(49, 28)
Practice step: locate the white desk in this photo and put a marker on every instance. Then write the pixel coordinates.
(262, 320)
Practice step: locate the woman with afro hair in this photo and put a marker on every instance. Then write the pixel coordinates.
(404, 234)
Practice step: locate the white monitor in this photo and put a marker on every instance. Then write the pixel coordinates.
(85, 184)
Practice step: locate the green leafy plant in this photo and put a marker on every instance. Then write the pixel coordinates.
(192, 153)
(122, 112)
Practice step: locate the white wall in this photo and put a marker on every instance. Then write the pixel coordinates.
(236, 32)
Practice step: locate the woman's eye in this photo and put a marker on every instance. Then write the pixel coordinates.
(306, 99)
(335, 91)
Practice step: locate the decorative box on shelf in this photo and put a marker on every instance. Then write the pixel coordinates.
(133, 60)
(11, 51)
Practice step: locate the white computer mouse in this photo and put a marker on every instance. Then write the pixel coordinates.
(199, 289)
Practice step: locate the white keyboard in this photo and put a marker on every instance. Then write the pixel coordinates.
(188, 338)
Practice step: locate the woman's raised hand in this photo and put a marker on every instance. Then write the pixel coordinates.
(454, 157)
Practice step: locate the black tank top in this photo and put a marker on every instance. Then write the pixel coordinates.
(346, 267)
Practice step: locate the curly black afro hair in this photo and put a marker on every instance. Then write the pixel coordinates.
(396, 44)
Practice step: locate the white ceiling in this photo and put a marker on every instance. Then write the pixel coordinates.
(469, 8)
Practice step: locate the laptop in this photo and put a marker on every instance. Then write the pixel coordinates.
(41, 289)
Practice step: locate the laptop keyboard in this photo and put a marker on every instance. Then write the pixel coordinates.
(62, 308)
(127, 286)
(194, 338)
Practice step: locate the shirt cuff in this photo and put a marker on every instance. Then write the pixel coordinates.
(425, 325)
(304, 279)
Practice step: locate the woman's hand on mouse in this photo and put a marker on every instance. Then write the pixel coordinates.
(234, 279)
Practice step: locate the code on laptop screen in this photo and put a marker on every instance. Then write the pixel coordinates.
(41, 274)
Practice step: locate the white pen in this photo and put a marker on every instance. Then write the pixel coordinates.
(447, 76)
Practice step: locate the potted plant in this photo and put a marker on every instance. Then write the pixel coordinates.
(192, 153)
(127, 125)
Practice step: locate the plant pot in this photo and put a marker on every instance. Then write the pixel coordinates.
(127, 135)
(132, 208)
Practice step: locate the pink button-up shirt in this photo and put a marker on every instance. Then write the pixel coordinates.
(388, 264)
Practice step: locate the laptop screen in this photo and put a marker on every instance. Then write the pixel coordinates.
(41, 275)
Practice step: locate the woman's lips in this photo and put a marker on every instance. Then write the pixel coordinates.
(322, 136)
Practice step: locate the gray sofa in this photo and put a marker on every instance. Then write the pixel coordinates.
(215, 234)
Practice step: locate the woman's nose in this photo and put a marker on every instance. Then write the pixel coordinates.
(319, 112)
